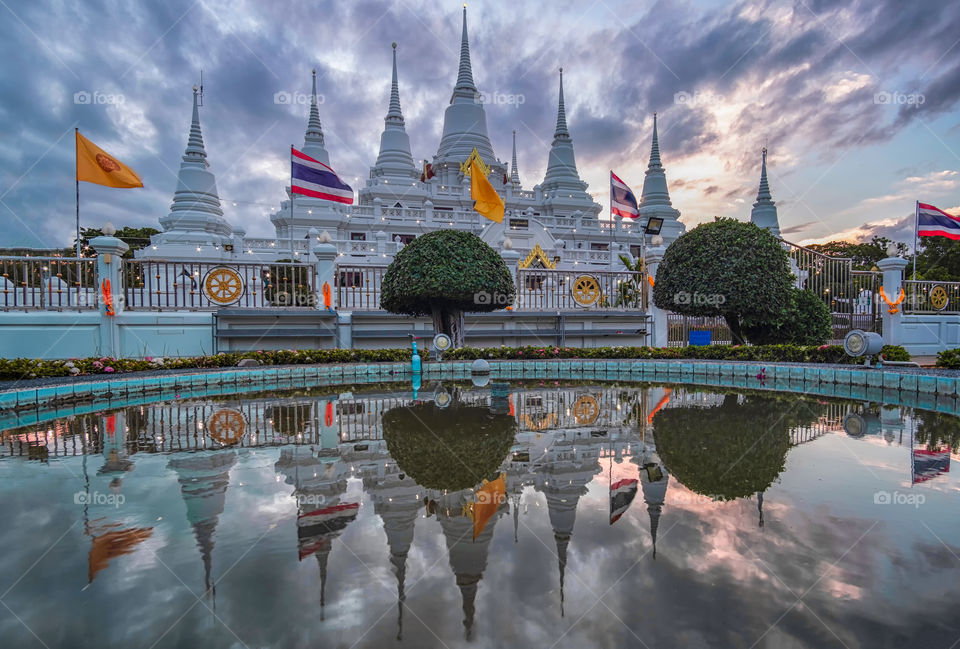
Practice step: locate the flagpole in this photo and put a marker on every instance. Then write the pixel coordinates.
(916, 236)
(76, 175)
(291, 205)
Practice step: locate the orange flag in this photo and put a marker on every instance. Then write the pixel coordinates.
(94, 165)
(489, 498)
(486, 200)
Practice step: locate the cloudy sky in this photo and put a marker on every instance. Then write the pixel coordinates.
(857, 101)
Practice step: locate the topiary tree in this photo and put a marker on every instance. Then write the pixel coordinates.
(806, 321)
(725, 268)
(449, 448)
(444, 274)
(732, 450)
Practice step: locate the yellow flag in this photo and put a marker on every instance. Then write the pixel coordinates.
(485, 197)
(94, 165)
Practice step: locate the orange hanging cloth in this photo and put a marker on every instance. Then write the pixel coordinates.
(327, 297)
(107, 296)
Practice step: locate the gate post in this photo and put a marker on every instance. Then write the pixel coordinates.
(109, 263)
(892, 268)
(658, 317)
(326, 254)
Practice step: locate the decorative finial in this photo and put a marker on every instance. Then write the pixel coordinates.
(393, 44)
(195, 89)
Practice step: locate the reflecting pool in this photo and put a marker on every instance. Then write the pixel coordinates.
(539, 514)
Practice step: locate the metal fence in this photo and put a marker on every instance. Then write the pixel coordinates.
(358, 287)
(680, 326)
(162, 285)
(926, 296)
(48, 283)
(551, 290)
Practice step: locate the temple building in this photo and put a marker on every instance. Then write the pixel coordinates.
(554, 224)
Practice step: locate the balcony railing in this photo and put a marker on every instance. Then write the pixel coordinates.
(541, 289)
(164, 285)
(48, 283)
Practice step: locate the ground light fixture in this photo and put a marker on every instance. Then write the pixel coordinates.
(441, 343)
(862, 343)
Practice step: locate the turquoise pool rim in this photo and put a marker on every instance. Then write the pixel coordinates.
(889, 385)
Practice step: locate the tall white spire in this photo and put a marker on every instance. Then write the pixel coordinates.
(655, 197)
(465, 121)
(514, 173)
(195, 217)
(764, 212)
(562, 174)
(313, 144)
(395, 158)
(465, 86)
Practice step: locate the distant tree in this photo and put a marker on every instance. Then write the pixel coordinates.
(444, 274)
(726, 268)
(136, 238)
(939, 259)
(865, 255)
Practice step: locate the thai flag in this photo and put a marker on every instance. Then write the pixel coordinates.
(934, 222)
(622, 200)
(313, 178)
(622, 493)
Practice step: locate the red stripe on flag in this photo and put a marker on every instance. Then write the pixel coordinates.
(304, 156)
(925, 206)
(939, 233)
(316, 194)
(626, 215)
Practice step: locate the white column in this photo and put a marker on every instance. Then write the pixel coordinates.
(109, 264)
(326, 254)
(892, 268)
(658, 337)
(512, 258)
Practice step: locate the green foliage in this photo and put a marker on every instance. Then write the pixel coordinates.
(806, 321)
(446, 269)
(136, 238)
(26, 368)
(630, 291)
(725, 268)
(763, 353)
(740, 453)
(938, 430)
(894, 353)
(939, 259)
(949, 359)
(449, 448)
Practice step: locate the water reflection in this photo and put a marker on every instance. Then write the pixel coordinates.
(618, 470)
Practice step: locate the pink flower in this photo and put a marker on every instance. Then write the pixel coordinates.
(148, 358)
(520, 353)
(108, 369)
(98, 364)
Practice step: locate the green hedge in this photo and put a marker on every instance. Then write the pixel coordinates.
(763, 353)
(26, 368)
(949, 359)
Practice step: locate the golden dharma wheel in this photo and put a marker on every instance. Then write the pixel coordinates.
(939, 298)
(586, 410)
(227, 426)
(585, 290)
(223, 285)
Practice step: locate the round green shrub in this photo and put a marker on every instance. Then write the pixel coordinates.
(449, 270)
(806, 321)
(449, 448)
